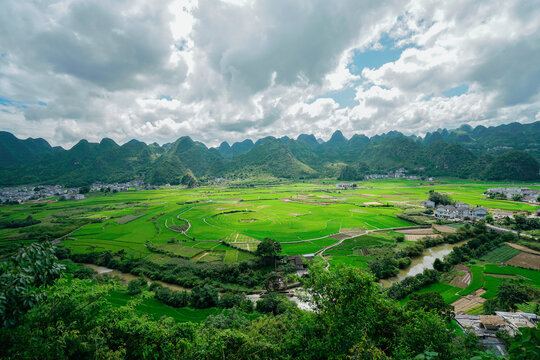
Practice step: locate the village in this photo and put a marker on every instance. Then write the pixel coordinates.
(400, 173)
(21, 194)
(457, 211)
(514, 193)
(486, 327)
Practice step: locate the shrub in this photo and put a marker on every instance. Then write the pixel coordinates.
(136, 286)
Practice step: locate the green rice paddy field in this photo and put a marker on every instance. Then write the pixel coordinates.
(301, 216)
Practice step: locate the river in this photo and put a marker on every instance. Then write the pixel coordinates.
(126, 277)
(423, 262)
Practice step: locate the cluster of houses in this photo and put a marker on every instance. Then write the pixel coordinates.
(346, 185)
(458, 211)
(71, 196)
(117, 187)
(487, 326)
(526, 193)
(400, 173)
(27, 193)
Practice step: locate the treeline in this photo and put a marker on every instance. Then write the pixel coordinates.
(206, 296)
(189, 162)
(183, 272)
(388, 261)
(480, 243)
(19, 223)
(75, 320)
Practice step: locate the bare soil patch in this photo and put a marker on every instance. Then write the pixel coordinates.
(525, 260)
(445, 229)
(339, 236)
(372, 203)
(411, 237)
(468, 302)
(424, 232)
(464, 280)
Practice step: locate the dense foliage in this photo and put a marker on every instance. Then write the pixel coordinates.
(182, 272)
(75, 320)
(510, 293)
(465, 152)
(22, 278)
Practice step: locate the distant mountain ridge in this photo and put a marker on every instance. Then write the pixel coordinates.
(508, 151)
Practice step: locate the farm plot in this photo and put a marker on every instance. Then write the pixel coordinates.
(477, 280)
(500, 254)
(525, 260)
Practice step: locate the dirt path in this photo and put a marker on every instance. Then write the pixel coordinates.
(523, 248)
(63, 237)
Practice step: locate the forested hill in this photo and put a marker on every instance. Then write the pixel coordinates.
(505, 152)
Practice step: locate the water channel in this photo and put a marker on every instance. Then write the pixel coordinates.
(421, 263)
(126, 277)
(297, 294)
(418, 265)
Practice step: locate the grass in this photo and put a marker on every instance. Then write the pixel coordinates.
(501, 254)
(491, 285)
(532, 275)
(300, 248)
(350, 260)
(477, 280)
(477, 310)
(286, 212)
(156, 309)
(448, 292)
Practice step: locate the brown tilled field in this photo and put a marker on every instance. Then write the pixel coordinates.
(468, 302)
(464, 280)
(426, 231)
(525, 260)
(411, 237)
(339, 236)
(444, 229)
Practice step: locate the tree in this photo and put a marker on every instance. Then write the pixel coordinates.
(511, 293)
(273, 302)
(84, 189)
(439, 198)
(189, 180)
(204, 296)
(517, 197)
(431, 301)
(268, 248)
(137, 286)
(22, 279)
(438, 265)
(512, 165)
(348, 173)
(351, 311)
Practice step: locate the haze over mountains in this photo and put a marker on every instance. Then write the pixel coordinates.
(505, 152)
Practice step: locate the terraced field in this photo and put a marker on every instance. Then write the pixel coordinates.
(193, 223)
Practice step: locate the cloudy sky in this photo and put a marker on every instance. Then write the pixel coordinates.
(229, 70)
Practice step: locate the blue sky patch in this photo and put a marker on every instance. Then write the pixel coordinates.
(17, 104)
(374, 59)
(456, 91)
(345, 97)
(165, 97)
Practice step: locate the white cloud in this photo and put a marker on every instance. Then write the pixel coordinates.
(229, 70)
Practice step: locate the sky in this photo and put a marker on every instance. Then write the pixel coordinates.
(221, 70)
